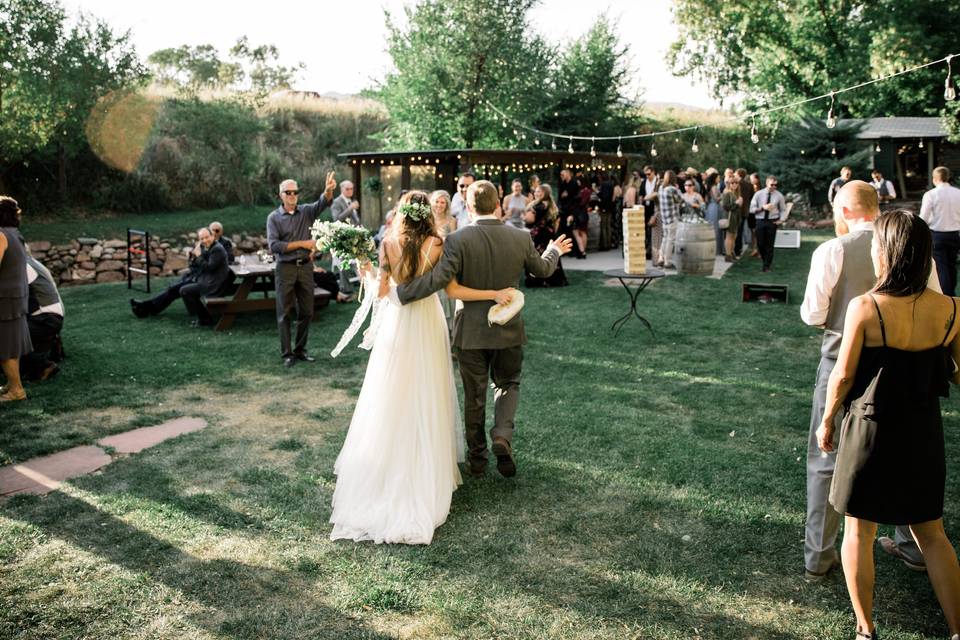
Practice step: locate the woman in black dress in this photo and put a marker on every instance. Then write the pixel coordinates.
(541, 220)
(14, 333)
(900, 342)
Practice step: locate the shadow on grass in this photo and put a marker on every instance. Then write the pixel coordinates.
(252, 601)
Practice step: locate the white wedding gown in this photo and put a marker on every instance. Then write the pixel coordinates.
(398, 467)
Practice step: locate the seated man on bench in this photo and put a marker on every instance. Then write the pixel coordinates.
(209, 275)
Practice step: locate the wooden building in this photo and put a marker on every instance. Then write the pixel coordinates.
(379, 177)
(906, 150)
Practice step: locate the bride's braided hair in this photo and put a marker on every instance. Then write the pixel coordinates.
(411, 234)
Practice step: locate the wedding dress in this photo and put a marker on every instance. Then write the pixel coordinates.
(397, 470)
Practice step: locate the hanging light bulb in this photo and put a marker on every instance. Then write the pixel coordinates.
(921, 143)
(949, 91)
(570, 146)
(831, 117)
(877, 148)
(536, 141)
(504, 123)
(553, 143)
(695, 147)
(619, 149)
(833, 150)
(754, 138)
(802, 152)
(653, 149)
(593, 150)
(515, 132)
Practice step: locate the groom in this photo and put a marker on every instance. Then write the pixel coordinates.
(487, 255)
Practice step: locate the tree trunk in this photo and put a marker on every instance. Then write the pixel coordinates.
(62, 172)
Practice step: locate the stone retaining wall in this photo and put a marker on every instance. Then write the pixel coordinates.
(89, 260)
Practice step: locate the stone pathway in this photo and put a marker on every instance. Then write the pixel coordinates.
(45, 474)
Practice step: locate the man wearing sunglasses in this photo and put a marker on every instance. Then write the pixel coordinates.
(288, 236)
(768, 206)
(458, 205)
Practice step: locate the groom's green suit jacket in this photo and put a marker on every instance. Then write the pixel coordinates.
(485, 255)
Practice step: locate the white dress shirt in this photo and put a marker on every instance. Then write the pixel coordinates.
(878, 184)
(940, 208)
(825, 268)
(56, 307)
(458, 207)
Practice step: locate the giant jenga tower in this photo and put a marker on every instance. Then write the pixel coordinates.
(634, 241)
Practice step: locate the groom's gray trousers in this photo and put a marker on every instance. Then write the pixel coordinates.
(823, 522)
(478, 367)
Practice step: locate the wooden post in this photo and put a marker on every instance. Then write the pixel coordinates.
(404, 176)
(357, 187)
(900, 180)
(930, 164)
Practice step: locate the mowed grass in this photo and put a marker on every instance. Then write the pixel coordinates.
(660, 491)
(165, 225)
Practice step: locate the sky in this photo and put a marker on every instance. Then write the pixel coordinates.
(342, 42)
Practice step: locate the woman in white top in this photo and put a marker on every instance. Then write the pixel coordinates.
(514, 205)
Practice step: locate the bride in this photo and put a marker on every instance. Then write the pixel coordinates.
(398, 467)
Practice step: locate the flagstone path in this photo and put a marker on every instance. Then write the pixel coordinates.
(45, 474)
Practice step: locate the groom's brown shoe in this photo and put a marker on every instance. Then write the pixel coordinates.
(504, 452)
(477, 467)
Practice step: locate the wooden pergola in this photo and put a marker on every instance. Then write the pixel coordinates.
(397, 171)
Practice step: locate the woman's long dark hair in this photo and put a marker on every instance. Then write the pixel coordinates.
(412, 234)
(906, 249)
(9, 212)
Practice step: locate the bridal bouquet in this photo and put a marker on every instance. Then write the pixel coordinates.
(346, 242)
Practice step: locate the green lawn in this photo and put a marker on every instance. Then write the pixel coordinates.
(237, 219)
(660, 491)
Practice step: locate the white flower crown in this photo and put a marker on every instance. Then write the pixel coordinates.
(415, 211)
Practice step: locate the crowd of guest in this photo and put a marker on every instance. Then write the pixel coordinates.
(31, 310)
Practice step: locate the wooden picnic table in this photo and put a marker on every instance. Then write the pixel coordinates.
(255, 276)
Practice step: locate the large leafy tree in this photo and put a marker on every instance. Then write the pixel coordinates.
(586, 94)
(451, 57)
(773, 52)
(52, 72)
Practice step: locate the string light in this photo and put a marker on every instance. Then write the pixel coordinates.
(593, 150)
(833, 150)
(877, 148)
(695, 147)
(553, 143)
(536, 141)
(570, 146)
(653, 149)
(921, 143)
(754, 138)
(619, 149)
(831, 118)
(949, 91)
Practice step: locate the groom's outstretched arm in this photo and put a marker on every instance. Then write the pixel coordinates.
(542, 266)
(435, 279)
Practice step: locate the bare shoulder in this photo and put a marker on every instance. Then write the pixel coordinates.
(861, 308)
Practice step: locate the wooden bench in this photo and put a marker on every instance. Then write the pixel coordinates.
(228, 308)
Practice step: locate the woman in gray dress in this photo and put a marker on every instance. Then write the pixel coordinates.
(14, 333)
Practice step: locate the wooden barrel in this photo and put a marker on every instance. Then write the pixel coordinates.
(696, 248)
(593, 232)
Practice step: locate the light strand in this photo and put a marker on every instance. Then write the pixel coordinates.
(948, 91)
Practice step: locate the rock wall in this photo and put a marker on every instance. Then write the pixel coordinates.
(89, 260)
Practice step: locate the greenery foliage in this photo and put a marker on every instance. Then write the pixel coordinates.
(802, 157)
(774, 52)
(52, 72)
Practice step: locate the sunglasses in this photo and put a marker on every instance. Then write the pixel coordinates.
(290, 193)
(689, 184)
(461, 187)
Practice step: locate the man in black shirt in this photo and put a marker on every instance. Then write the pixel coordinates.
(208, 267)
(289, 238)
(217, 229)
(568, 201)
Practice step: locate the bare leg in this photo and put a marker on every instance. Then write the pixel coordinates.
(728, 241)
(858, 569)
(581, 237)
(942, 568)
(11, 369)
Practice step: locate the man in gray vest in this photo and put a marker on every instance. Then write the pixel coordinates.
(45, 322)
(487, 254)
(840, 270)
